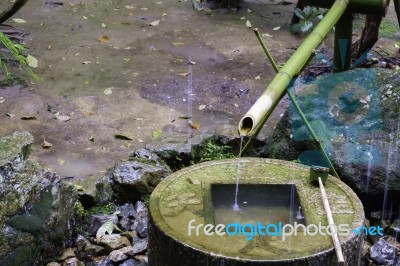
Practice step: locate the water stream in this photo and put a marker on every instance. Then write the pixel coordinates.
(235, 205)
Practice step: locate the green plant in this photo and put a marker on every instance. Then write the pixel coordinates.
(214, 151)
(15, 51)
(309, 17)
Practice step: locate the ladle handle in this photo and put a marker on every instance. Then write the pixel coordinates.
(335, 238)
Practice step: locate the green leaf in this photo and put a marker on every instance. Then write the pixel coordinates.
(299, 13)
(157, 133)
(20, 47)
(305, 26)
(32, 61)
(107, 227)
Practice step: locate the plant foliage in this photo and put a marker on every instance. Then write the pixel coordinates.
(309, 17)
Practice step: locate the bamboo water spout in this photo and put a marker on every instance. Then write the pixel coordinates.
(255, 118)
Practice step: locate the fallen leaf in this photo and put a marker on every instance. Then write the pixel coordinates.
(85, 17)
(396, 46)
(104, 39)
(63, 118)
(144, 8)
(201, 107)
(194, 125)
(103, 25)
(28, 118)
(267, 35)
(61, 161)
(185, 117)
(123, 136)
(131, 7)
(49, 47)
(156, 133)
(138, 118)
(108, 91)
(257, 77)
(242, 18)
(192, 63)
(248, 24)
(177, 43)
(276, 28)
(183, 74)
(154, 23)
(86, 62)
(249, 10)
(19, 20)
(2, 99)
(32, 61)
(107, 227)
(10, 115)
(46, 144)
(91, 138)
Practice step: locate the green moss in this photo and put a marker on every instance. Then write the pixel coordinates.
(145, 161)
(146, 200)
(211, 150)
(387, 29)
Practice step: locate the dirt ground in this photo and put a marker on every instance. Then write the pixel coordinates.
(139, 51)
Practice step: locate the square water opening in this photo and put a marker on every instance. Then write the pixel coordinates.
(265, 203)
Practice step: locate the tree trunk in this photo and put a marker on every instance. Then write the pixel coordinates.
(369, 34)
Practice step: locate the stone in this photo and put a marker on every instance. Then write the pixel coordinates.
(125, 223)
(114, 241)
(143, 259)
(73, 262)
(14, 150)
(130, 262)
(140, 246)
(67, 254)
(141, 229)
(394, 230)
(134, 179)
(97, 220)
(121, 254)
(383, 252)
(81, 242)
(140, 210)
(127, 210)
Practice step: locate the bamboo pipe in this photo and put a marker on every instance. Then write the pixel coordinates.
(263, 107)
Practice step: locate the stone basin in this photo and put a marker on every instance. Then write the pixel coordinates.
(269, 192)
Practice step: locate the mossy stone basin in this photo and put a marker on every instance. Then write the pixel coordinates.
(270, 191)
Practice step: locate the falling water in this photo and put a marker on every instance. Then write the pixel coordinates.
(190, 100)
(236, 206)
(370, 157)
(388, 167)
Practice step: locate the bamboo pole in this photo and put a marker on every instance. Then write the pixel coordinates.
(331, 222)
(263, 107)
